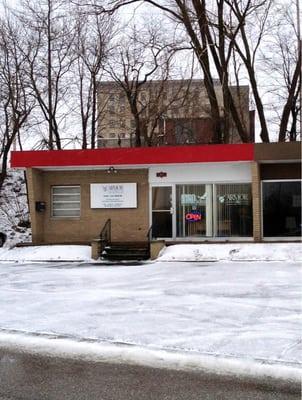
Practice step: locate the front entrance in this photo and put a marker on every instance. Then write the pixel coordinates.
(202, 211)
(193, 210)
(162, 212)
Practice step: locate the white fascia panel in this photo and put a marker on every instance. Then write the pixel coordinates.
(205, 173)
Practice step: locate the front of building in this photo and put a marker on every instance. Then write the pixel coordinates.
(242, 192)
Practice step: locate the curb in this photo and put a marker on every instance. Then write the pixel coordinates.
(277, 375)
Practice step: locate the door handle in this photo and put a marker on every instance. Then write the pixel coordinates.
(171, 210)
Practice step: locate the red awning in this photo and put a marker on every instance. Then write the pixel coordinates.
(132, 156)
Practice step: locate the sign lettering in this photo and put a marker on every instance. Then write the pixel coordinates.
(193, 216)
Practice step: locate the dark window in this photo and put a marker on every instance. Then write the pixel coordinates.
(281, 209)
(161, 214)
(161, 224)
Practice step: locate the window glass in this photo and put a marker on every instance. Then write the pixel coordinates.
(161, 211)
(281, 209)
(161, 224)
(234, 210)
(66, 201)
(193, 210)
(161, 198)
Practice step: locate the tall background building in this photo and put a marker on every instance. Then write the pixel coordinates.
(168, 112)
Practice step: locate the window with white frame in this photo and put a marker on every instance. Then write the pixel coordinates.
(66, 201)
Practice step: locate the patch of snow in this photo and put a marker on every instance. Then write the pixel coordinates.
(121, 354)
(46, 253)
(182, 252)
(14, 214)
(233, 252)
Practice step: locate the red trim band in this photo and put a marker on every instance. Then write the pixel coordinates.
(133, 156)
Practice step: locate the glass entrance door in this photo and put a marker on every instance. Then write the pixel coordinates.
(162, 212)
(194, 210)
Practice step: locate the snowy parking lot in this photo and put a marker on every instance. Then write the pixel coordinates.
(249, 310)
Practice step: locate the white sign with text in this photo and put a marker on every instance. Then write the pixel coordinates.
(113, 195)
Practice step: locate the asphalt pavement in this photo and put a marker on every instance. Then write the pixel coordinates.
(24, 376)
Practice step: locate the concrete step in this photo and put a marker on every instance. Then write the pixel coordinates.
(119, 249)
(124, 257)
(126, 251)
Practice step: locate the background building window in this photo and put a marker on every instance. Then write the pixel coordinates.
(281, 208)
(66, 201)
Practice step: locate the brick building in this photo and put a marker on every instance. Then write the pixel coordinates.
(174, 112)
(243, 192)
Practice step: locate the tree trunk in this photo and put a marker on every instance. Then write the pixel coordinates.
(3, 173)
(49, 78)
(94, 112)
(201, 51)
(264, 131)
(290, 100)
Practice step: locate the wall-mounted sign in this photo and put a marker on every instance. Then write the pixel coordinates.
(113, 195)
(161, 174)
(193, 216)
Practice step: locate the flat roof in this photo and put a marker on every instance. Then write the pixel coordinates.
(133, 156)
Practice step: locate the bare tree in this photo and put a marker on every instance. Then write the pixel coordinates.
(50, 35)
(289, 67)
(216, 30)
(197, 22)
(16, 102)
(139, 58)
(90, 48)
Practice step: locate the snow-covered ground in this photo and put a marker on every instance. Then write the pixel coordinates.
(233, 252)
(249, 311)
(181, 252)
(46, 253)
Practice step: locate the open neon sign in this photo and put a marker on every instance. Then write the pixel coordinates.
(193, 216)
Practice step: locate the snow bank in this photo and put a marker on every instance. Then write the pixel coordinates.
(46, 253)
(180, 252)
(135, 355)
(233, 252)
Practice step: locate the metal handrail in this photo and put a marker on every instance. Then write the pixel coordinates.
(105, 235)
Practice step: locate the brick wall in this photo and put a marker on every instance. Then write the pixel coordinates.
(127, 224)
(256, 194)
